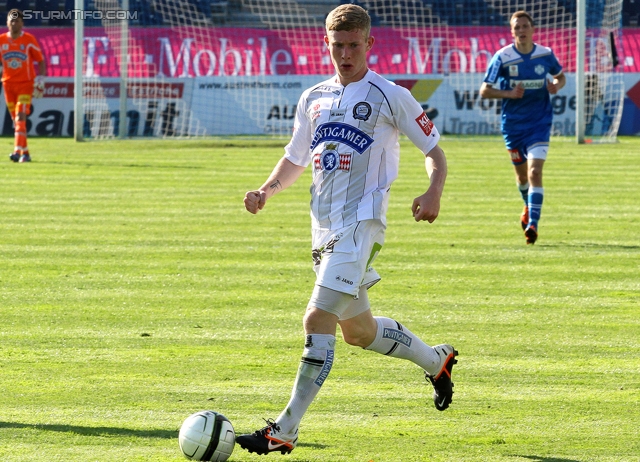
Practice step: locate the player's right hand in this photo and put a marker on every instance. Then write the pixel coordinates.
(517, 92)
(254, 201)
(38, 87)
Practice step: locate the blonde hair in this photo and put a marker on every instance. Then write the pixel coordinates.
(349, 17)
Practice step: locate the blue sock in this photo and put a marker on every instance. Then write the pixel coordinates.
(524, 191)
(536, 195)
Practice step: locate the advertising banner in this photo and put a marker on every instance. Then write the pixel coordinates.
(153, 109)
(266, 105)
(179, 52)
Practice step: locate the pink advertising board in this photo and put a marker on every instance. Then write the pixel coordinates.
(178, 52)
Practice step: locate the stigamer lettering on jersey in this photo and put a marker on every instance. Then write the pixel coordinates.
(343, 133)
(397, 336)
(528, 84)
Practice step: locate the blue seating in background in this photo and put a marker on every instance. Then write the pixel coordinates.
(383, 12)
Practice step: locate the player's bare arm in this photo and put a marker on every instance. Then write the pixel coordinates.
(555, 85)
(427, 206)
(284, 175)
(488, 92)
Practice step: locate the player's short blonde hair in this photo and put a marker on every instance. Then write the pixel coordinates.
(349, 17)
(522, 14)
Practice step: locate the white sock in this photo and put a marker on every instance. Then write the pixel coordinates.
(393, 339)
(314, 368)
(524, 191)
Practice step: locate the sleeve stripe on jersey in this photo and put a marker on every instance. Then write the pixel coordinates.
(383, 94)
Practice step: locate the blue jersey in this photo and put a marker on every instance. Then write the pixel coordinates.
(508, 68)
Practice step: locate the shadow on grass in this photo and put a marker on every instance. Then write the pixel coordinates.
(592, 245)
(311, 445)
(546, 459)
(94, 431)
(109, 164)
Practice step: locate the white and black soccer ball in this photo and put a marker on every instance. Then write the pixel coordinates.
(207, 435)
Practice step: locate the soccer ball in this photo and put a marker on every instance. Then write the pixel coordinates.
(207, 435)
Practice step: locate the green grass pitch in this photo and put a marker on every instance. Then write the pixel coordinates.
(135, 290)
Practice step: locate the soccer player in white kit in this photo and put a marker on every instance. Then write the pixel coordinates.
(347, 129)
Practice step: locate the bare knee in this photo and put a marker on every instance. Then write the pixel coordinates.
(522, 179)
(358, 339)
(359, 331)
(317, 321)
(535, 175)
(522, 175)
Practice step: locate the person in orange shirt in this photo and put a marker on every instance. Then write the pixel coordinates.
(19, 51)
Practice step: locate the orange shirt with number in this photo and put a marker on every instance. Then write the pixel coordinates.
(18, 56)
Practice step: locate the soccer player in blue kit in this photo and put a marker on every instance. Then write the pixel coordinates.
(520, 70)
(346, 130)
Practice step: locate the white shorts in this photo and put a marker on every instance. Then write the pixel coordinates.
(538, 151)
(342, 259)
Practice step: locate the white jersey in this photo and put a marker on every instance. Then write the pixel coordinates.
(350, 134)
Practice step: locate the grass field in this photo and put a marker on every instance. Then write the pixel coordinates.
(135, 290)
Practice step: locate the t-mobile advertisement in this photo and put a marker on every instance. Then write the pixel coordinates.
(242, 81)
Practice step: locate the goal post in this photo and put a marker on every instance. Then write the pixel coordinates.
(599, 81)
(189, 68)
(78, 76)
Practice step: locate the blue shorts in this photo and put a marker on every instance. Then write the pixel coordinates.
(520, 143)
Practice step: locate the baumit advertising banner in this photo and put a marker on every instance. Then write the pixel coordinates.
(228, 81)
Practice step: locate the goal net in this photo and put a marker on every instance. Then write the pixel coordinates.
(180, 68)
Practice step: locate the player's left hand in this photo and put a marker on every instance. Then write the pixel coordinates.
(38, 87)
(551, 87)
(426, 207)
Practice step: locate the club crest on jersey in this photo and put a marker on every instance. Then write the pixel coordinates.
(330, 160)
(539, 69)
(513, 71)
(362, 111)
(342, 133)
